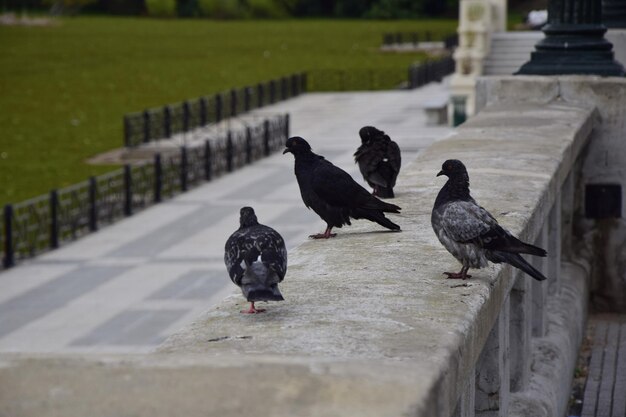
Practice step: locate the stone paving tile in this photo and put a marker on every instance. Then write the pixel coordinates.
(605, 388)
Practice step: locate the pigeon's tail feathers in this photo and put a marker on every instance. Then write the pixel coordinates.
(518, 262)
(260, 283)
(533, 250)
(264, 294)
(385, 192)
(383, 206)
(375, 216)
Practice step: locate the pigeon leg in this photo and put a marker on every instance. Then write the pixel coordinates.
(252, 309)
(459, 275)
(324, 235)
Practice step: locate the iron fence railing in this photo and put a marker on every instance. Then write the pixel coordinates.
(429, 71)
(381, 78)
(46, 222)
(163, 122)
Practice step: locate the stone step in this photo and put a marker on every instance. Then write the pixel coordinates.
(509, 50)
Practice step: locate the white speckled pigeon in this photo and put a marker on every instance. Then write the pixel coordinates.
(332, 193)
(379, 161)
(256, 260)
(470, 233)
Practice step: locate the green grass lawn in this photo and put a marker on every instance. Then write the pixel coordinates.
(65, 87)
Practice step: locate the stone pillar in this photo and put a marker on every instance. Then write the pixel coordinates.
(492, 370)
(568, 204)
(498, 15)
(540, 288)
(475, 20)
(520, 331)
(466, 405)
(574, 42)
(554, 246)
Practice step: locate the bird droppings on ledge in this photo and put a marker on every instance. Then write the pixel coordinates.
(465, 284)
(221, 338)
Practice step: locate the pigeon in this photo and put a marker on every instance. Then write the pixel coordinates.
(332, 193)
(379, 161)
(256, 260)
(470, 233)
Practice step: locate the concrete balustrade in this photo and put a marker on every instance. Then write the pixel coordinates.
(370, 326)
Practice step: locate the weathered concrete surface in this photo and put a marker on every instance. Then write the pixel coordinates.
(369, 325)
(600, 241)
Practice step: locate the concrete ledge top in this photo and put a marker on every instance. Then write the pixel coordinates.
(369, 326)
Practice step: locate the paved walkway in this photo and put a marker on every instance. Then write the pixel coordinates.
(605, 388)
(130, 285)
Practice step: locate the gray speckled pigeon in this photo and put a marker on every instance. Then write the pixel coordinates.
(256, 260)
(379, 161)
(470, 233)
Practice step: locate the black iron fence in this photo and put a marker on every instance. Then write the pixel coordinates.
(45, 222)
(381, 78)
(429, 71)
(163, 122)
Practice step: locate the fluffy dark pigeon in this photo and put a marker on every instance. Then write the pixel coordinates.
(256, 260)
(470, 233)
(379, 161)
(332, 193)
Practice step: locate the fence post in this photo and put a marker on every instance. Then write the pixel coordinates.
(266, 137)
(203, 111)
(146, 126)
(218, 108)
(303, 82)
(184, 168)
(286, 131)
(93, 204)
(294, 85)
(260, 93)
(158, 178)
(283, 89)
(127, 132)
(233, 103)
(54, 219)
(207, 160)
(415, 39)
(9, 254)
(248, 145)
(246, 99)
(128, 191)
(272, 92)
(185, 116)
(167, 121)
(229, 151)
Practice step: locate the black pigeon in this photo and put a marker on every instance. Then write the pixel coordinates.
(379, 161)
(332, 193)
(470, 233)
(256, 260)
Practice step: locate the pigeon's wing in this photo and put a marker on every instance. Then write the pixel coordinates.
(273, 251)
(465, 221)
(236, 251)
(337, 188)
(394, 156)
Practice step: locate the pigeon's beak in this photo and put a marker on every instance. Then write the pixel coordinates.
(286, 150)
(441, 173)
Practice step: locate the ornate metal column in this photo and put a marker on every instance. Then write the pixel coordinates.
(614, 13)
(574, 42)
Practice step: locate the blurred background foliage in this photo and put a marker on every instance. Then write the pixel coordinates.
(243, 9)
